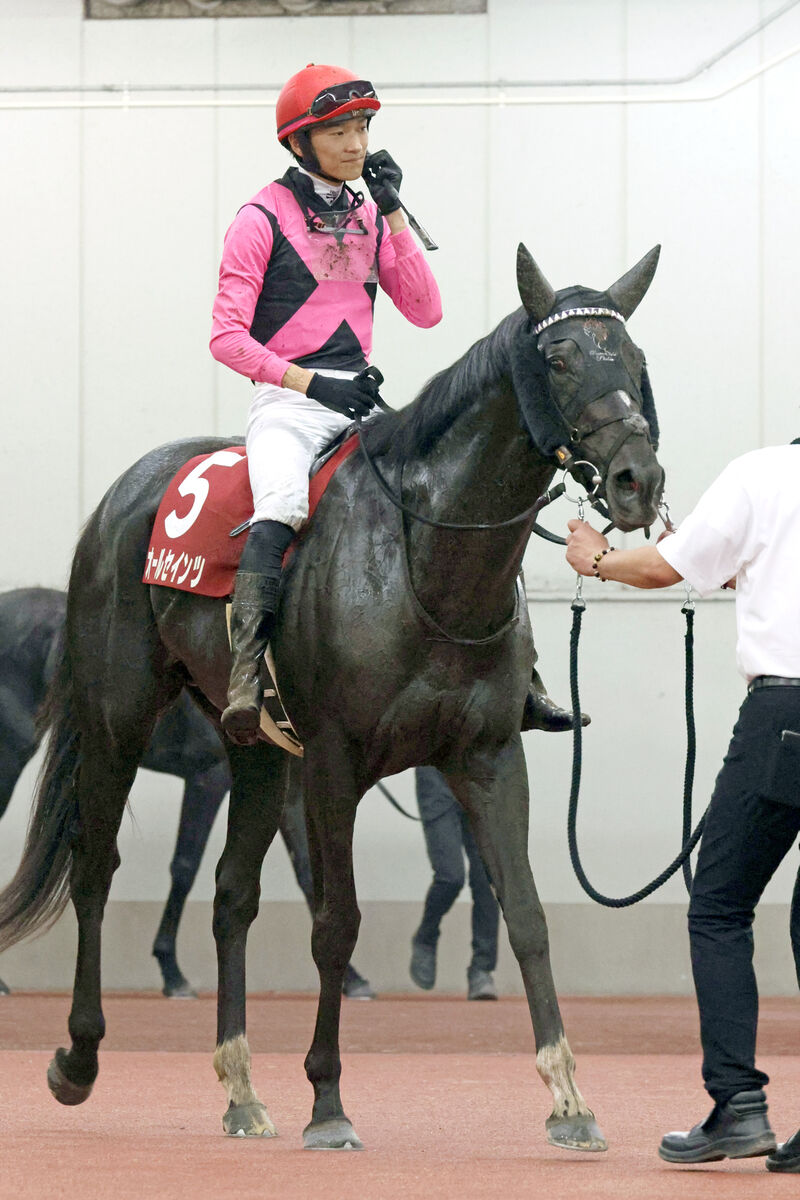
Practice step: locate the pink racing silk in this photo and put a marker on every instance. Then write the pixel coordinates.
(288, 295)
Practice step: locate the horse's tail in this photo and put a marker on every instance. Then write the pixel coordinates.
(39, 892)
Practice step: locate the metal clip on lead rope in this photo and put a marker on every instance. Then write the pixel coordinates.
(579, 603)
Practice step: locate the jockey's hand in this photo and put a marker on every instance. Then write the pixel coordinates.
(383, 177)
(350, 397)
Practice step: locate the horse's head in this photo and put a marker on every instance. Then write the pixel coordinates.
(583, 389)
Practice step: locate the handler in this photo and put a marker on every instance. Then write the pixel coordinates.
(744, 533)
(300, 269)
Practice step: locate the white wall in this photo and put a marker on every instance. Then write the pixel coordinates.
(111, 223)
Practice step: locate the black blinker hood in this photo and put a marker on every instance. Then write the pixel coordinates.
(548, 429)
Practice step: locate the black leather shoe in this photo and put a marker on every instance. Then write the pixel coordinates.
(422, 967)
(355, 986)
(738, 1129)
(786, 1157)
(540, 712)
(481, 986)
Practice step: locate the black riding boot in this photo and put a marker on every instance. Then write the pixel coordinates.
(255, 601)
(540, 712)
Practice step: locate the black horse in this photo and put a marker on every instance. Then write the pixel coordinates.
(183, 743)
(399, 642)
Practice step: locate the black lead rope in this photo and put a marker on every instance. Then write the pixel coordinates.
(689, 841)
(691, 746)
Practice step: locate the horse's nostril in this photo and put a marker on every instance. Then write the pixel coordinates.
(626, 482)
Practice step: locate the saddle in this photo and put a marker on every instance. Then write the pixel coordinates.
(200, 531)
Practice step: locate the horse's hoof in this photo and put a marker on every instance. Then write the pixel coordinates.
(64, 1090)
(578, 1132)
(180, 991)
(5, 990)
(337, 1134)
(248, 1120)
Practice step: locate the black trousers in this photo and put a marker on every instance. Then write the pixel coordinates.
(747, 834)
(448, 838)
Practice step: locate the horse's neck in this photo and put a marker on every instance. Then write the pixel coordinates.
(483, 470)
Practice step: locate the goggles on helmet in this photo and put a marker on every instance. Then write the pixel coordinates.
(334, 97)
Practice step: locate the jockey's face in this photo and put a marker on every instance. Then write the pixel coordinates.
(341, 148)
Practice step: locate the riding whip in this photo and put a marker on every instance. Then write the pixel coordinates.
(421, 233)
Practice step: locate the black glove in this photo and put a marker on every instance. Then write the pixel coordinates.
(383, 177)
(350, 397)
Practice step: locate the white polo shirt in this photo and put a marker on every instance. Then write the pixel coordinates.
(747, 526)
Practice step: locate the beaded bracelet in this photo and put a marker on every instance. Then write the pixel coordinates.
(597, 560)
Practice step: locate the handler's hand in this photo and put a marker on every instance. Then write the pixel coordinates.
(583, 542)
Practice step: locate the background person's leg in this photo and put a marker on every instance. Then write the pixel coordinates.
(485, 923)
(441, 824)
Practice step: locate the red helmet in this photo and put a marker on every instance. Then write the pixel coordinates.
(318, 94)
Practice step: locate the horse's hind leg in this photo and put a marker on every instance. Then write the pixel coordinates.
(254, 807)
(331, 800)
(498, 813)
(106, 773)
(117, 695)
(18, 744)
(18, 741)
(202, 796)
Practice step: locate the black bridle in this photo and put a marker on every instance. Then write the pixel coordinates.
(632, 407)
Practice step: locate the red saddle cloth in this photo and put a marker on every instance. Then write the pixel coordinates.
(190, 547)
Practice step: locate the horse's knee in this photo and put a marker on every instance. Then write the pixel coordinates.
(333, 941)
(527, 934)
(183, 872)
(235, 905)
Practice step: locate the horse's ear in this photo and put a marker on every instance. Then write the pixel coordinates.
(535, 292)
(627, 292)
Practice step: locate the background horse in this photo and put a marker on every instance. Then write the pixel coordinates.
(398, 643)
(183, 743)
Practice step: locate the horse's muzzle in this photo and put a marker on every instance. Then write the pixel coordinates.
(633, 490)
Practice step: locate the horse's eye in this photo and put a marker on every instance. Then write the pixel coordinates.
(558, 365)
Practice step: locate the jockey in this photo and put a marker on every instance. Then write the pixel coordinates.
(300, 269)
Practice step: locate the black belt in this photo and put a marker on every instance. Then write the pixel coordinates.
(772, 681)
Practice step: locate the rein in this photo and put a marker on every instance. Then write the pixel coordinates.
(440, 634)
(689, 840)
(395, 803)
(546, 498)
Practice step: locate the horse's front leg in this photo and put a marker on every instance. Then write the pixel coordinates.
(495, 796)
(256, 800)
(331, 796)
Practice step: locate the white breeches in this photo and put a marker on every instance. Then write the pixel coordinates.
(285, 432)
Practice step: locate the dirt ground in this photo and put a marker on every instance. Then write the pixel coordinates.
(443, 1093)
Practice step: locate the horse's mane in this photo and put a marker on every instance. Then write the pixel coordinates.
(417, 427)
